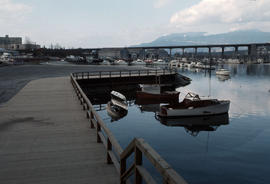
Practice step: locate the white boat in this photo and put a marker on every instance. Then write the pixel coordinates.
(120, 62)
(159, 62)
(193, 105)
(174, 63)
(119, 99)
(222, 71)
(6, 58)
(115, 112)
(199, 65)
(138, 62)
(117, 107)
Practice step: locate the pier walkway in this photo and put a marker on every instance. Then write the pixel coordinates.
(45, 138)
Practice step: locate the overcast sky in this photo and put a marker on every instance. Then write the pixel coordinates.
(104, 23)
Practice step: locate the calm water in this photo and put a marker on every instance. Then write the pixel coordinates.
(236, 151)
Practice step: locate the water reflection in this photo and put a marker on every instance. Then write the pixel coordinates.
(239, 145)
(193, 125)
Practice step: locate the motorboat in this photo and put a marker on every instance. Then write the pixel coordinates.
(174, 64)
(193, 105)
(117, 107)
(120, 62)
(143, 97)
(138, 62)
(223, 71)
(119, 100)
(148, 61)
(115, 112)
(6, 58)
(159, 62)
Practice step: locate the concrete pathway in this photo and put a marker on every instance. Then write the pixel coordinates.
(45, 138)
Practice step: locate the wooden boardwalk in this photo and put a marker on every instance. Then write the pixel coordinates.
(45, 138)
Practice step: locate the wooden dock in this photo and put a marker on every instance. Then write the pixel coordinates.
(45, 138)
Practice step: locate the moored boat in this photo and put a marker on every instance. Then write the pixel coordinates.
(193, 105)
(117, 107)
(222, 71)
(115, 112)
(143, 97)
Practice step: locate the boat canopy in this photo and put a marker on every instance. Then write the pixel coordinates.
(118, 96)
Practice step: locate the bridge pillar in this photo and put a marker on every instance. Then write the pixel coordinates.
(252, 51)
(209, 51)
(183, 51)
(143, 54)
(222, 52)
(196, 50)
(170, 53)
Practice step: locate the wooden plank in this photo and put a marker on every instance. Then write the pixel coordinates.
(129, 149)
(160, 164)
(115, 161)
(102, 139)
(128, 173)
(145, 175)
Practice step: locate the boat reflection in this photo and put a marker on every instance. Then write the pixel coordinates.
(115, 113)
(223, 77)
(193, 125)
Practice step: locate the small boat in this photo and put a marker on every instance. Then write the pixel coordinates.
(138, 62)
(115, 112)
(143, 97)
(222, 71)
(119, 99)
(159, 62)
(193, 105)
(148, 61)
(120, 62)
(117, 107)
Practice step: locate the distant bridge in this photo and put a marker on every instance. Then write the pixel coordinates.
(251, 47)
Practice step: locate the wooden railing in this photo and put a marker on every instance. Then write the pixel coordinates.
(118, 156)
(129, 73)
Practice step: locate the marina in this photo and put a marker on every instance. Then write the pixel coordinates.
(143, 92)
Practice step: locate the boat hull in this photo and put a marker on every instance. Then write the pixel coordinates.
(221, 108)
(151, 98)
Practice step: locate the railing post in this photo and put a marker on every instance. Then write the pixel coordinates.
(156, 71)
(100, 75)
(147, 72)
(139, 73)
(98, 130)
(82, 75)
(129, 73)
(122, 170)
(163, 71)
(120, 73)
(109, 148)
(110, 74)
(91, 117)
(138, 162)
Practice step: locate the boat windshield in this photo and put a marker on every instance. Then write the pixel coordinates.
(192, 96)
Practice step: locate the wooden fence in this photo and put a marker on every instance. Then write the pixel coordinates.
(129, 73)
(117, 156)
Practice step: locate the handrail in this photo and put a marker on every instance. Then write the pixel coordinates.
(118, 156)
(129, 73)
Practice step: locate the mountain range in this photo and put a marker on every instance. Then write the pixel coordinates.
(201, 38)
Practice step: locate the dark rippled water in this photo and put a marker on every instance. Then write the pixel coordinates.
(233, 150)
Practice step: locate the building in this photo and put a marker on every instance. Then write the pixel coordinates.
(15, 43)
(6, 42)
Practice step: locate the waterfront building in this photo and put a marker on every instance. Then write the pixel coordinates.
(15, 43)
(6, 42)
